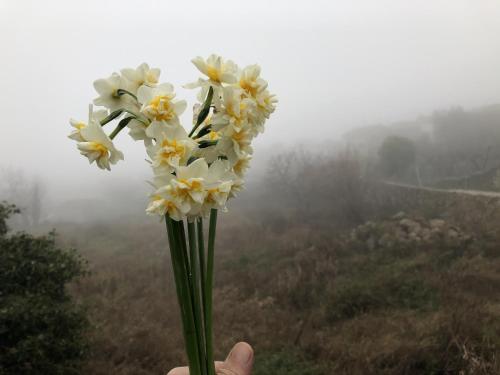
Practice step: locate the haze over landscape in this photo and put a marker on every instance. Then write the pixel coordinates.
(366, 241)
(334, 65)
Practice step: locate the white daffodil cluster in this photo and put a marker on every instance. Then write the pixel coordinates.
(193, 172)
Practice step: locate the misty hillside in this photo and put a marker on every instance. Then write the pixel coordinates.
(454, 148)
(250, 188)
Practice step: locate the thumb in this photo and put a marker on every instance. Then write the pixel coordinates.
(239, 361)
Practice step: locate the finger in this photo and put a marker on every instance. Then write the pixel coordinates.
(179, 371)
(239, 361)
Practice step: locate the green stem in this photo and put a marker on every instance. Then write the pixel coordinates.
(205, 110)
(177, 242)
(209, 291)
(121, 92)
(195, 294)
(182, 240)
(118, 129)
(201, 254)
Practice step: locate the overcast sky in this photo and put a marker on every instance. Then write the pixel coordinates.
(333, 64)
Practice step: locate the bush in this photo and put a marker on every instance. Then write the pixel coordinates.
(41, 327)
(396, 155)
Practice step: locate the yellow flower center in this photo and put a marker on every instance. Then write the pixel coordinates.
(248, 87)
(239, 137)
(171, 149)
(213, 73)
(210, 195)
(99, 147)
(237, 119)
(169, 205)
(213, 135)
(192, 184)
(161, 107)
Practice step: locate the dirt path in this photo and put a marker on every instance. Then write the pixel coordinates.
(492, 194)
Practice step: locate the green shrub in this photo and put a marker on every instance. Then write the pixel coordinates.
(41, 328)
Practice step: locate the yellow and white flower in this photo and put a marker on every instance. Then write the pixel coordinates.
(220, 146)
(79, 125)
(158, 103)
(189, 182)
(164, 202)
(107, 88)
(97, 146)
(142, 75)
(234, 111)
(216, 69)
(137, 130)
(265, 106)
(181, 195)
(210, 153)
(218, 72)
(249, 80)
(235, 144)
(172, 148)
(241, 164)
(218, 186)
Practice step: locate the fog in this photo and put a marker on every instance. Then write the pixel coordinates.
(334, 65)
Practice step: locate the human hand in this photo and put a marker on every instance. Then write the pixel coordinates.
(238, 362)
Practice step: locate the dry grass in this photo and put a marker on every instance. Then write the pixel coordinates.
(307, 296)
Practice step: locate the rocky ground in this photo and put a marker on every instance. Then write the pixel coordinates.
(403, 229)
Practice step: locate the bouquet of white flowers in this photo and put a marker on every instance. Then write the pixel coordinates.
(195, 173)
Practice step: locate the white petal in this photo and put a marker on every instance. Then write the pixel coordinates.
(144, 94)
(102, 86)
(180, 107)
(199, 62)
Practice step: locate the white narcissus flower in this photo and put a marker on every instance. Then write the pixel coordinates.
(250, 81)
(240, 106)
(137, 130)
(163, 202)
(97, 146)
(265, 105)
(241, 164)
(234, 145)
(189, 181)
(210, 153)
(79, 125)
(216, 69)
(142, 75)
(235, 110)
(158, 103)
(218, 186)
(237, 186)
(172, 147)
(107, 88)
(181, 195)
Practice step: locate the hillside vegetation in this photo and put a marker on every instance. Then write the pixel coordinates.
(372, 279)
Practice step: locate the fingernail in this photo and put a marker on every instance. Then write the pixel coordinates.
(241, 353)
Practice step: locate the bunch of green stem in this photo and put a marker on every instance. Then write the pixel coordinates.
(193, 268)
(193, 273)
